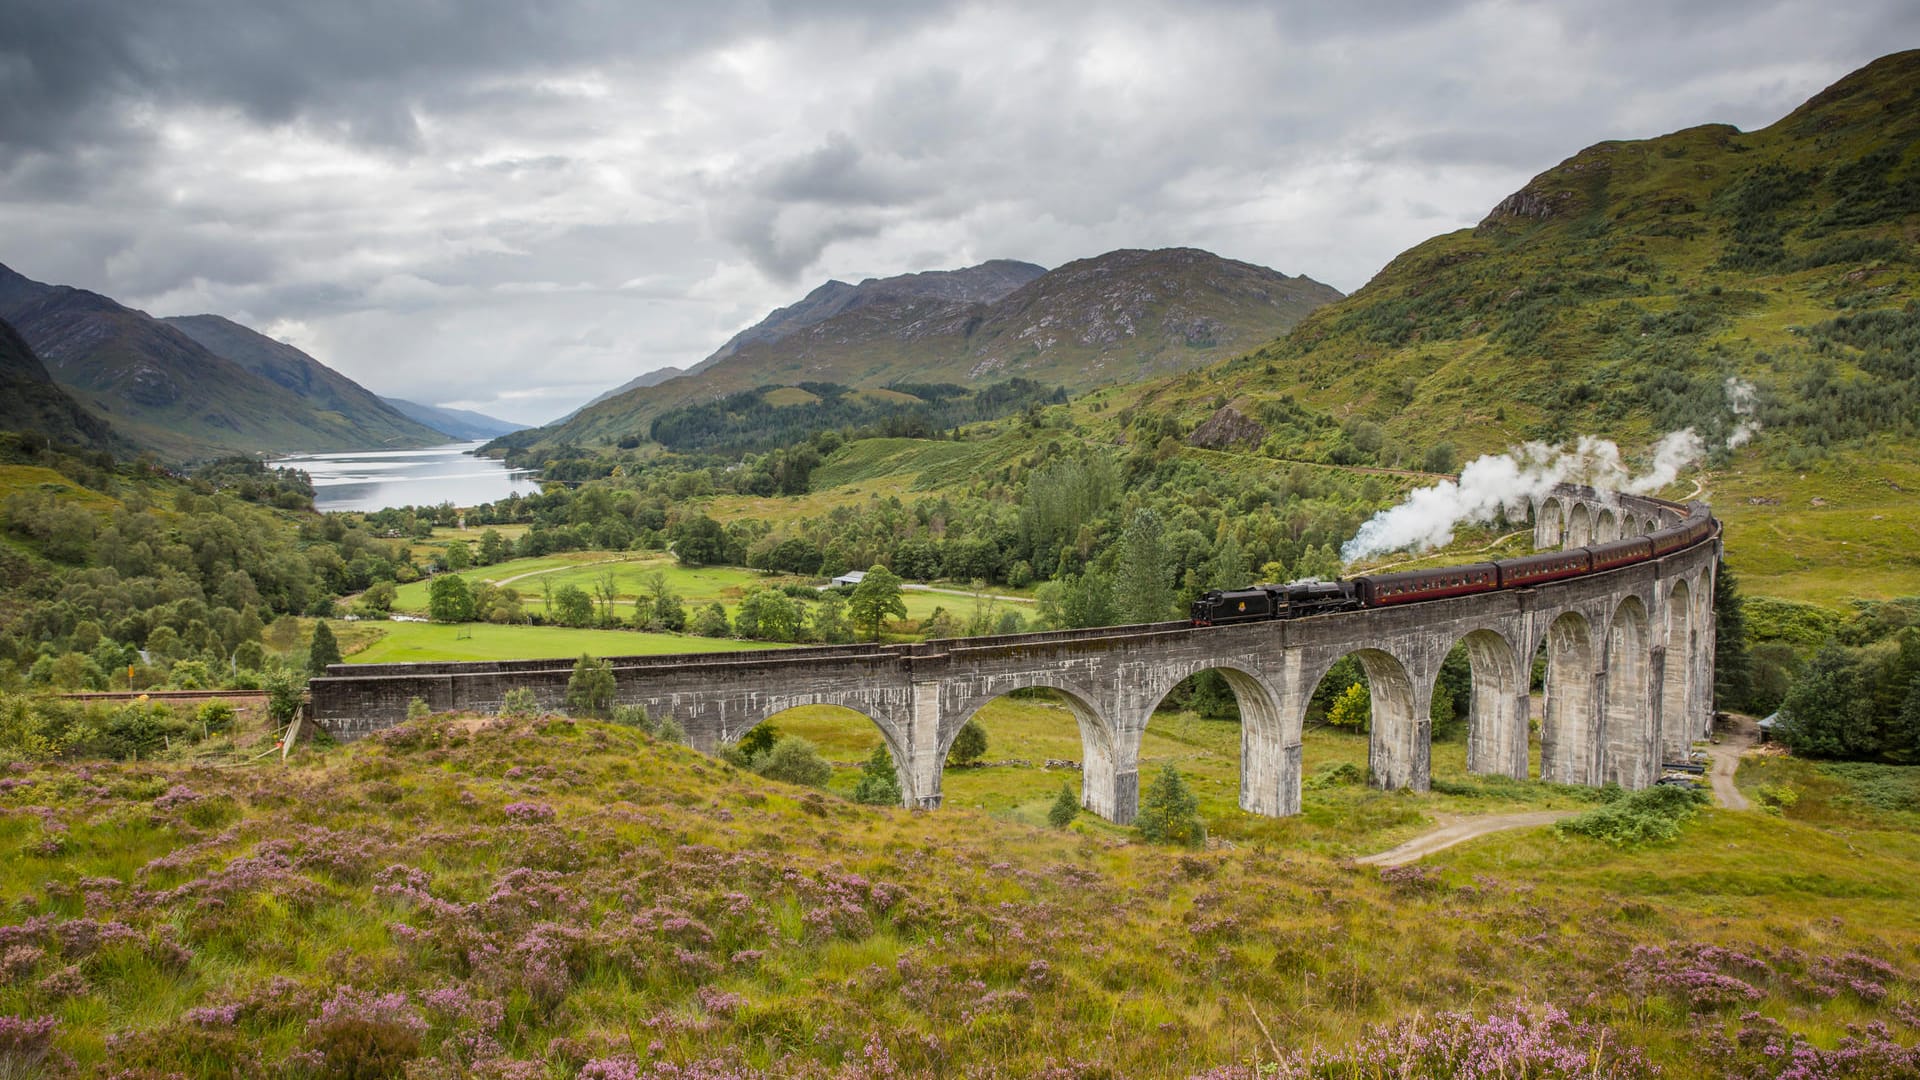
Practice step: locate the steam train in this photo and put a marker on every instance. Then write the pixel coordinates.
(1301, 598)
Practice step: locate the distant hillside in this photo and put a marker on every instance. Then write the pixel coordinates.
(651, 378)
(1615, 294)
(458, 423)
(170, 394)
(1119, 317)
(30, 401)
(318, 386)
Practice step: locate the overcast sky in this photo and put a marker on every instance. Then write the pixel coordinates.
(515, 211)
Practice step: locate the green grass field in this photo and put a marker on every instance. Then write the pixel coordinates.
(398, 642)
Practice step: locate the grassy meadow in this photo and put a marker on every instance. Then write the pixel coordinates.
(400, 642)
(546, 898)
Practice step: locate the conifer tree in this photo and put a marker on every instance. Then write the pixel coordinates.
(324, 650)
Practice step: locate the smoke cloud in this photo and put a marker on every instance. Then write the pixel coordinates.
(1740, 398)
(1511, 481)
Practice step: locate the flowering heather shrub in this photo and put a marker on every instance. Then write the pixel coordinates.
(362, 1034)
(1524, 1043)
(529, 812)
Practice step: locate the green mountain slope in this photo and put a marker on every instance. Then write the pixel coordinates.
(318, 386)
(1615, 295)
(30, 401)
(170, 394)
(1117, 318)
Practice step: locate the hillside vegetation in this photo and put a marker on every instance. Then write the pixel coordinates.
(1615, 295)
(545, 898)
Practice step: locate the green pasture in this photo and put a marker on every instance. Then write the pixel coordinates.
(401, 642)
(1338, 818)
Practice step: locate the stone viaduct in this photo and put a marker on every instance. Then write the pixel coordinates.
(1628, 677)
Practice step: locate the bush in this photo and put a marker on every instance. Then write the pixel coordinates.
(633, 716)
(758, 741)
(969, 745)
(418, 709)
(1643, 817)
(1169, 814)
(794, 760)
(591, 688)
(361, 1034)
(670, 731)
(1064, 809)
(1776, 797)
(215, 717)
(879, 783)
(520, 702)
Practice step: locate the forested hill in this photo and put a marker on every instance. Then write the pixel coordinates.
(32, 404)
(172, 395)
(1116, 318)
(1616, 293)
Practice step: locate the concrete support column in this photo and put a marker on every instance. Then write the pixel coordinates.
(1110, 779)
(1653, 749)
(920, 773)
(1399, 754)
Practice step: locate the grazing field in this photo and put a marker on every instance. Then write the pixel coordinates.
(397, 642)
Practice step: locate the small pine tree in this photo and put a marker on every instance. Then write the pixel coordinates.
(1169, 814)
(969, 745)
(879, 783)
(324, 650)
(418, 709)
(590, 690)
(1064, 809)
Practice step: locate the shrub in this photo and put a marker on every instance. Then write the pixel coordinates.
(670, 731)
(758, 741)
(795, 761)
(1651, 816)
(216, 717)
(418, 709)
(969, 745)
(633, 716)
(1776, 797)
(590, 690)
(1064, 809)
(520, 702)
(879, 783)
(1352, 709)
(360, 1034)
(1169, 814)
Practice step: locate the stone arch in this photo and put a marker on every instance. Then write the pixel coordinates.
(1649, 525)
(890, 733)
(1398, 750)
(1579, 526)
(1269, 752)
(1606, 526)
(1548, 523)
(1677, 729)
(1109, 757)
(1567, 729)
(1628, 742)
(1497, 718)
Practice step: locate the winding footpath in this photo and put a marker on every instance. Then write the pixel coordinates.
(1726, 760)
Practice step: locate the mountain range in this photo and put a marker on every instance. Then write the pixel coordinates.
(1120, 317)
(192, 387)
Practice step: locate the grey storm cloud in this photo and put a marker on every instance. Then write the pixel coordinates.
(514, 206)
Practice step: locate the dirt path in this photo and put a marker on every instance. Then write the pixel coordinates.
(1460, 830)
(1739, 734)
(962, 592)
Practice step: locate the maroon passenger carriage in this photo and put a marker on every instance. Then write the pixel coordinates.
(1413, 586)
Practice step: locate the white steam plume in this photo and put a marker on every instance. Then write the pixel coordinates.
(1740, 396)
(1510, 482)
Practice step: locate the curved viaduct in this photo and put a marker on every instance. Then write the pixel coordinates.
(1628, 682)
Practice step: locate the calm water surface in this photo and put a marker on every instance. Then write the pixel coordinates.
(377, 479)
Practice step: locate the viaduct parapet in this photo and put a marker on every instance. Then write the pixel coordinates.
(1628, 679)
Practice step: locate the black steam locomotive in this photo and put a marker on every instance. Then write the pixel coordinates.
(1300, 598)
